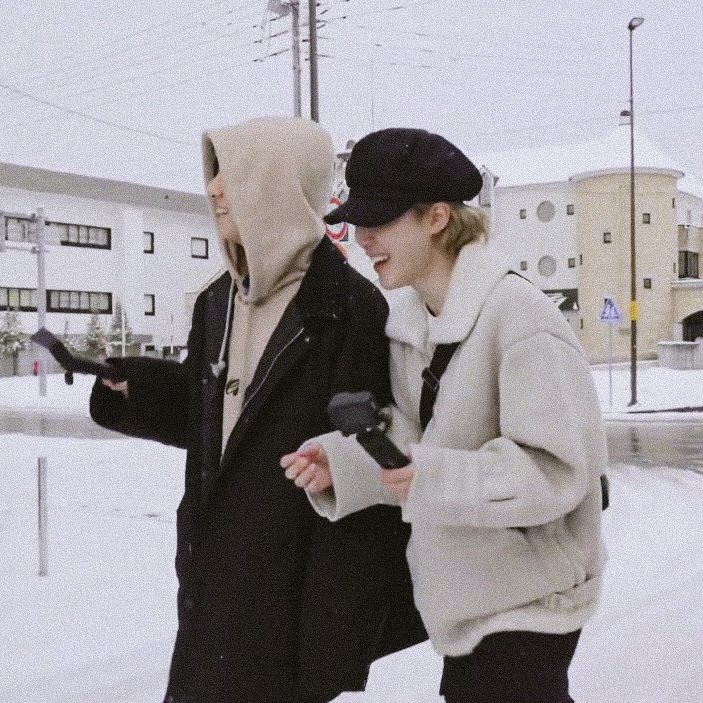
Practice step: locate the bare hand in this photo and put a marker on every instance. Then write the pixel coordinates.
(118, 386)
(309, 468)
(398, 480)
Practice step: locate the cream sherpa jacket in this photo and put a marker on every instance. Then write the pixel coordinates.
(505, 506)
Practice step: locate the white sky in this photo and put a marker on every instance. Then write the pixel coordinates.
(490, 76)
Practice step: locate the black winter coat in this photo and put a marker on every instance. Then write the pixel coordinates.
(275, 603)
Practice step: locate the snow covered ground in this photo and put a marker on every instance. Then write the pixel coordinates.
(658, 389)
(100, 626)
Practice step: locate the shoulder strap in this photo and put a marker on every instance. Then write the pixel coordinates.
(431, 377)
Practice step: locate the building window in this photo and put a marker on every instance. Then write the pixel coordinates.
(20, 299)
(148, 242)
(581, 323)
(523, 266)
(18, 229)
(688, 264)
(646, 218)
(72, 235)
(523, 214)
(607, 237)
(547, 266)
(78, 301)
(580, 259)
(149, 304)
(198, 248)
(546, 211)
(673, 202)
(572, 263)
(647, 282)
(570, 209)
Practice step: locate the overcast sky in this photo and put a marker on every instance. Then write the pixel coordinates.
(490, 76)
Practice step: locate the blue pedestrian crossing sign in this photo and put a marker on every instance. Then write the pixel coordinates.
(610, 313)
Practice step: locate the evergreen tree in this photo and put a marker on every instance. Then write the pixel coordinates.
(70, 341)
(96, 338)
(115, 336)
(12, 339)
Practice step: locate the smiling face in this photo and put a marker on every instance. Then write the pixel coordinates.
(407, 251)
(400, 250)
(226, 227)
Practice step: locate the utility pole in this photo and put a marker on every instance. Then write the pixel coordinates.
(314, 97)
(39, 223)
(295, 30)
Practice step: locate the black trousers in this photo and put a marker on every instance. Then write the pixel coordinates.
(512, 667)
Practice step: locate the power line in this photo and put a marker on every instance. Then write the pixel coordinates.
(92, 118)
(393, 8)
(170, 67)
(149, 91)
(140, 32)
(100, 59)
(157, 71)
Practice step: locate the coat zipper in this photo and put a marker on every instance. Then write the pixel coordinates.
(270, 368)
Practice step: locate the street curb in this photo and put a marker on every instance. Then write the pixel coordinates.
(683, 416)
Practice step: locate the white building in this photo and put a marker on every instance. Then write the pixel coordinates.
(143, 247)
(564, 212)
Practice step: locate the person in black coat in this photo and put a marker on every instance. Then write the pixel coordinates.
(275, 604)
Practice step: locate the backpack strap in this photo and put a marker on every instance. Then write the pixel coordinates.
(430, 380)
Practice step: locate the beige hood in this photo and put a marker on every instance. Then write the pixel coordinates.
(278, 176)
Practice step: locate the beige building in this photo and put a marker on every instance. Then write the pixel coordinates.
(565, 213)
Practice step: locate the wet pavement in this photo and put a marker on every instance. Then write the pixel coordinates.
(645, 444)
(52, 424)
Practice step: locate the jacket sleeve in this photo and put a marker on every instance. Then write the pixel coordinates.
(159, 402)
(362, 365)
(550, 454)
(355, 475)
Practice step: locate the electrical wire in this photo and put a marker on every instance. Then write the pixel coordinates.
(149, 91)
(136, 33)
(91, 118)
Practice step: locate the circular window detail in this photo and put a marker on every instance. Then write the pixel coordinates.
(546, 211)
(547, 266)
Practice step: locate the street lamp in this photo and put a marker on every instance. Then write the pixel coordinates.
(634, 308)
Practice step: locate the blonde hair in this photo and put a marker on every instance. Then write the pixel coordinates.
(466, 224)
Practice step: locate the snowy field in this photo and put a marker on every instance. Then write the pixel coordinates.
(658, 389)
(100, 626)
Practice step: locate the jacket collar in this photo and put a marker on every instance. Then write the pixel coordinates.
(478, 269)
(320, 289)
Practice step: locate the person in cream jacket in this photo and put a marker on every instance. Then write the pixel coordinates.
(503, 491)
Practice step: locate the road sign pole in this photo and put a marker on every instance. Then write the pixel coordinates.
(43, 517)
(610, 366)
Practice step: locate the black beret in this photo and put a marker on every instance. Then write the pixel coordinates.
(393, 169)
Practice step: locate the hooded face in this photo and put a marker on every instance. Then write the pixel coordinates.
(269, 180)
(227, 231)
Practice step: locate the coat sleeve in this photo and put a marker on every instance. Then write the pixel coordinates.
(355, 475)
(159, 402)
(550, 454)
(362, 365)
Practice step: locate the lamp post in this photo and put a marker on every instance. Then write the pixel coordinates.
(634, 307)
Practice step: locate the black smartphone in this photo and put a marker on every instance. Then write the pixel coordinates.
(74, 363)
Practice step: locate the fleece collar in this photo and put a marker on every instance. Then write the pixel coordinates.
(478, 269)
